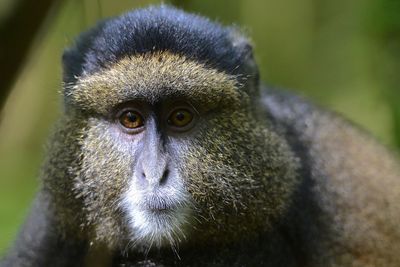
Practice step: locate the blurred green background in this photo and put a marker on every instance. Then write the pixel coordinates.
(342, 54)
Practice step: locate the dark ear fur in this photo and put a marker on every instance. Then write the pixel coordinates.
(74, 58)
(249, 69)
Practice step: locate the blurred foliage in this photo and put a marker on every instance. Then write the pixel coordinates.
(20, 22)
(342, 54)
(384, 30)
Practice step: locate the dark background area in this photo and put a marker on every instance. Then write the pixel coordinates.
(342, 54)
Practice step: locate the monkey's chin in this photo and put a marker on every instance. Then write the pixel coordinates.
(158, 227)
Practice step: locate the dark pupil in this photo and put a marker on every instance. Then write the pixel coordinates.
(180, 116)
(131, 117)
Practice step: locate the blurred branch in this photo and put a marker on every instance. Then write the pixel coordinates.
(18, 31)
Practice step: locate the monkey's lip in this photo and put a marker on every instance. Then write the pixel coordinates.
(161, 207)
(162, 210)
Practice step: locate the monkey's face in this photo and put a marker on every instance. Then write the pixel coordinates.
(172, 151)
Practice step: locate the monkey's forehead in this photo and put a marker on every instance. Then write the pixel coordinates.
(156, 28)
(152, 77)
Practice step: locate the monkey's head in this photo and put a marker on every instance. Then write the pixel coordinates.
(162, 138)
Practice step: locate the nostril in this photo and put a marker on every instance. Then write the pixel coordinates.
(164, 177)
(141, 179)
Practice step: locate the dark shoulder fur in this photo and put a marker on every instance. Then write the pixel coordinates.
(39, 242)
(346, 210)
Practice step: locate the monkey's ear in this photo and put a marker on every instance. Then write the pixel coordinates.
(72, 65)
(80, 57)
(248, 69)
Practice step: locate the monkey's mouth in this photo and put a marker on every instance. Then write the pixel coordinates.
(161, 206)
(161, 210)
(157, 218)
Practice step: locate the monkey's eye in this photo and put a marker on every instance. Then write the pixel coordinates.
(131, 119)
(180, 118)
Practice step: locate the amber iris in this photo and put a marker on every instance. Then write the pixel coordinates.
(131, 119)
(180, 118)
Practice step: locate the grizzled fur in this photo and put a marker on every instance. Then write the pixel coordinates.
(231, 184)
(263, 179)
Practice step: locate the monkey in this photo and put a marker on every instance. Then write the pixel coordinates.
(170, 151)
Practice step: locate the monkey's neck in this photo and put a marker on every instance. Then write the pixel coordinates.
(255, 252)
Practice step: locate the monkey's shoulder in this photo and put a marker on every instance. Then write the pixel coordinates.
(351, 182)
(325, 135)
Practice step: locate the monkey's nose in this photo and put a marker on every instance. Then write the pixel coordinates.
(153, 177)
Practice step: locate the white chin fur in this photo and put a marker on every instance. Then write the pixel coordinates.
(156, 228)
